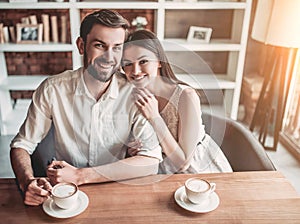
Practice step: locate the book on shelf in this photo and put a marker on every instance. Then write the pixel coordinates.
(12, 33)
(1, 34)
(25, 20)
(46, 25)
(5, 34)
(54, 28)
(33, 19)
(63, 37)
(40, 33)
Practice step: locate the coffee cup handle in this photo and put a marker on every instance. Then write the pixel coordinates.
(212, 187)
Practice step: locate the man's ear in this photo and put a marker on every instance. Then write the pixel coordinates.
(80, 45)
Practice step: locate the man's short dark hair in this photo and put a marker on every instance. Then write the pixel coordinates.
(103, 17)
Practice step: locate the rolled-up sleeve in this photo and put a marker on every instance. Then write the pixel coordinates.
(143, 131)
(37, 122)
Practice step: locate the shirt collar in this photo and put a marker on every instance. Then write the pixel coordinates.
(80, 88)
(113, 89)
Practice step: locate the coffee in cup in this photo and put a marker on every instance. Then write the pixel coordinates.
(65, 195)
(198, 190)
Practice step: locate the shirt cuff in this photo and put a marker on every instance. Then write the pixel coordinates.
(155, 153)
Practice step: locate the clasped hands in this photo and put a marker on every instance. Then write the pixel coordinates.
(146, 102)
(38, 189)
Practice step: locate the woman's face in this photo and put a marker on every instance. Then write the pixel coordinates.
(140, 65)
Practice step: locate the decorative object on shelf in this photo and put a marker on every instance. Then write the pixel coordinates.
(29, 33)
(276, 24)
(199, 34)
(139, 22)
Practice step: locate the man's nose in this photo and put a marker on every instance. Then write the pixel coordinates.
(109, 55)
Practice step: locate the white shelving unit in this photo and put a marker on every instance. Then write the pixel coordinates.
(12, 115)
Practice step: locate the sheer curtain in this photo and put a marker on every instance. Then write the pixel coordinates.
(291, 126)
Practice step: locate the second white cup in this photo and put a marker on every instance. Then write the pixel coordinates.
(198, 190)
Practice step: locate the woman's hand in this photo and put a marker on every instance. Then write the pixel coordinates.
(61, 171)
(146, 103)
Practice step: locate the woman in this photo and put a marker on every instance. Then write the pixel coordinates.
(172, 108)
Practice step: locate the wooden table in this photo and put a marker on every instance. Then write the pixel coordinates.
(245, 197)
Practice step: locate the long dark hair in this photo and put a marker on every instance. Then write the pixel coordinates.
(148, 40)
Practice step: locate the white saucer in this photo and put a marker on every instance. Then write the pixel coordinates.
(211, 204)
(51, 208)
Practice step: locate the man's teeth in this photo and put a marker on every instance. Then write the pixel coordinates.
(106, 66)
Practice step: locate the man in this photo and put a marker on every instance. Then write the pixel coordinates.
(93, 116)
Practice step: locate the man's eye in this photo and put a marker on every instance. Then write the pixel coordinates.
(117, 48)
(99, 45)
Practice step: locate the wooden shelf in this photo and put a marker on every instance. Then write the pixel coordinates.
(117, 5)
(125, 5)
(44, 47)
(205, 5)
(36, 5)
(22, 82)
(175, 44)
(209, 81)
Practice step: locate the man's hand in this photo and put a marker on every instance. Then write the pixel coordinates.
(37, 191)
(134, 147)
(61, 171)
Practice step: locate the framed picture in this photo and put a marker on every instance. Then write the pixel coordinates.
(199, 34)
(29, 33)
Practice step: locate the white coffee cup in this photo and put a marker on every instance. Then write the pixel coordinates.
(65, 195)
(198, 190)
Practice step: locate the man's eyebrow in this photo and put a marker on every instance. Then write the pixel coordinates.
(97, 40)
(102, 42)
(119, 44)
